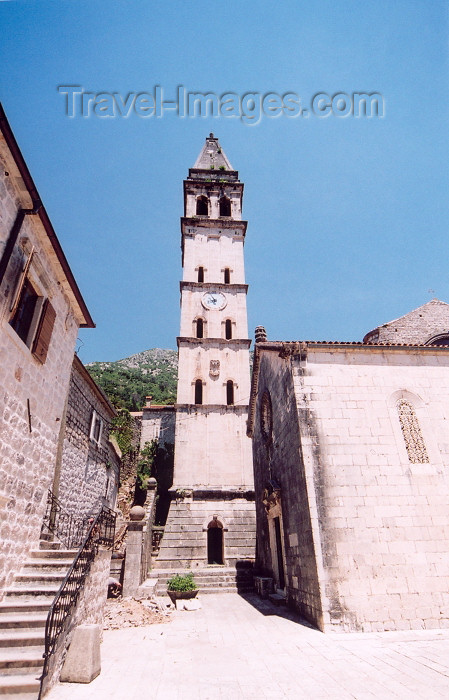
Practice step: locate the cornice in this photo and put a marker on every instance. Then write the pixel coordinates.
(210, 408)
(206, 222)
(238, 342)
(198, 286)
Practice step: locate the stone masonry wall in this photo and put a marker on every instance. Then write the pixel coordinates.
(282, 461)
(89, 473)
(383, 509)
(184, 543)
(28, 438)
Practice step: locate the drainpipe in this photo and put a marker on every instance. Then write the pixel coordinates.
(14, 234)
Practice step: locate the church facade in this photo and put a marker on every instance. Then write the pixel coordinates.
(211, 520)
(350, 448)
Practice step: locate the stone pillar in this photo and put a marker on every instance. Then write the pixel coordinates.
(133, 557)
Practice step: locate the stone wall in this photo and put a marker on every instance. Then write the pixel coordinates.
(419, 326)
(32, 395)
(368, 489)
(212, 449)
(90, 468)
(184, 543)
(280, 460)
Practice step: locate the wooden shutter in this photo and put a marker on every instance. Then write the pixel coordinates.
(44, 331)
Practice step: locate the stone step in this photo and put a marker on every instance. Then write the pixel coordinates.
(44, 544)
(32, 593)
(16, 661)
(277, 598)
(68, 554)
(11, 686)
(33, 579)
(22, 638)
(44, 566)
(9, 605)
(15, 620)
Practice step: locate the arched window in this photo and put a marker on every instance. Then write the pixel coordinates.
(198, 392)
(201, 274)
(202, 206)
(230, 392)
(225, 206)
(411, 432)
(199, 328)
(227, 275)
(228, 329)
(441, 340)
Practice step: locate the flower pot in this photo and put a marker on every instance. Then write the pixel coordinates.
(181, 595)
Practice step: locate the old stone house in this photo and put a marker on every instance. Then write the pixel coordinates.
(54, 434)
(88, 472)
(351, 447)
(41, 310)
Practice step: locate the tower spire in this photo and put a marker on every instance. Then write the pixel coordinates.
(212, 156)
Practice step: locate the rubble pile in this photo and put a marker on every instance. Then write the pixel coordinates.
(127, 612)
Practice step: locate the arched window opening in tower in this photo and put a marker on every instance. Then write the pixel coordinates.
(227, 275)
(202, 206)
(198, 392)
(228, 329)
(225, 206)
(230, 392)
(199, 328)
(201, 274)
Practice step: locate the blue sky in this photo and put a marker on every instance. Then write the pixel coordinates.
(348, 218)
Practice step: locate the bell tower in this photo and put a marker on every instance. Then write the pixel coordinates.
(213, 378)
(213, 469)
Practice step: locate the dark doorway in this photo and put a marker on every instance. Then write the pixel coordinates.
(215, 542)
(280, 560)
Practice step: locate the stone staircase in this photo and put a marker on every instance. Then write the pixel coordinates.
(23, 614)
(210, 579)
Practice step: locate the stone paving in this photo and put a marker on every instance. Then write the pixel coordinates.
(242, 647)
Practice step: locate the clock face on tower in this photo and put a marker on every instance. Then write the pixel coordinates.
(214, 300)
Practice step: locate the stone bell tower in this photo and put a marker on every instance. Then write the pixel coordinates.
(211, 518)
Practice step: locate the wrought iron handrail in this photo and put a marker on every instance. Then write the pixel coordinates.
(101, 532)
(68, 528)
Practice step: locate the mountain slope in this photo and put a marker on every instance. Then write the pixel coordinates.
(149, 373)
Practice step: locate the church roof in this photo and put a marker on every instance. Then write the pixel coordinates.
(419, 326)
(423, 307)
(212, 156)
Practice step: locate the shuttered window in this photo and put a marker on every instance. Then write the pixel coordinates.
(44, 331)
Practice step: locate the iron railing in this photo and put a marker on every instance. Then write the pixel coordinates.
(101, 532)
(68, 528)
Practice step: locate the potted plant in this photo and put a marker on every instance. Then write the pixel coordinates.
(181, 587)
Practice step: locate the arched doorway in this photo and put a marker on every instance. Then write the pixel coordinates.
(215, 542)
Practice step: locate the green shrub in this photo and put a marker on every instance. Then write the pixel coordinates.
(181, 582)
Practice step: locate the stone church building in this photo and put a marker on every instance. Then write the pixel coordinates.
(351, 453)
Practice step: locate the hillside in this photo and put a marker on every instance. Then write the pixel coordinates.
(149, 373)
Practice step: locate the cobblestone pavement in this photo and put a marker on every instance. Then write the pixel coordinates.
(242, 647)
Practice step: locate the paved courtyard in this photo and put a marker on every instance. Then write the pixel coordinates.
(241, 647)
